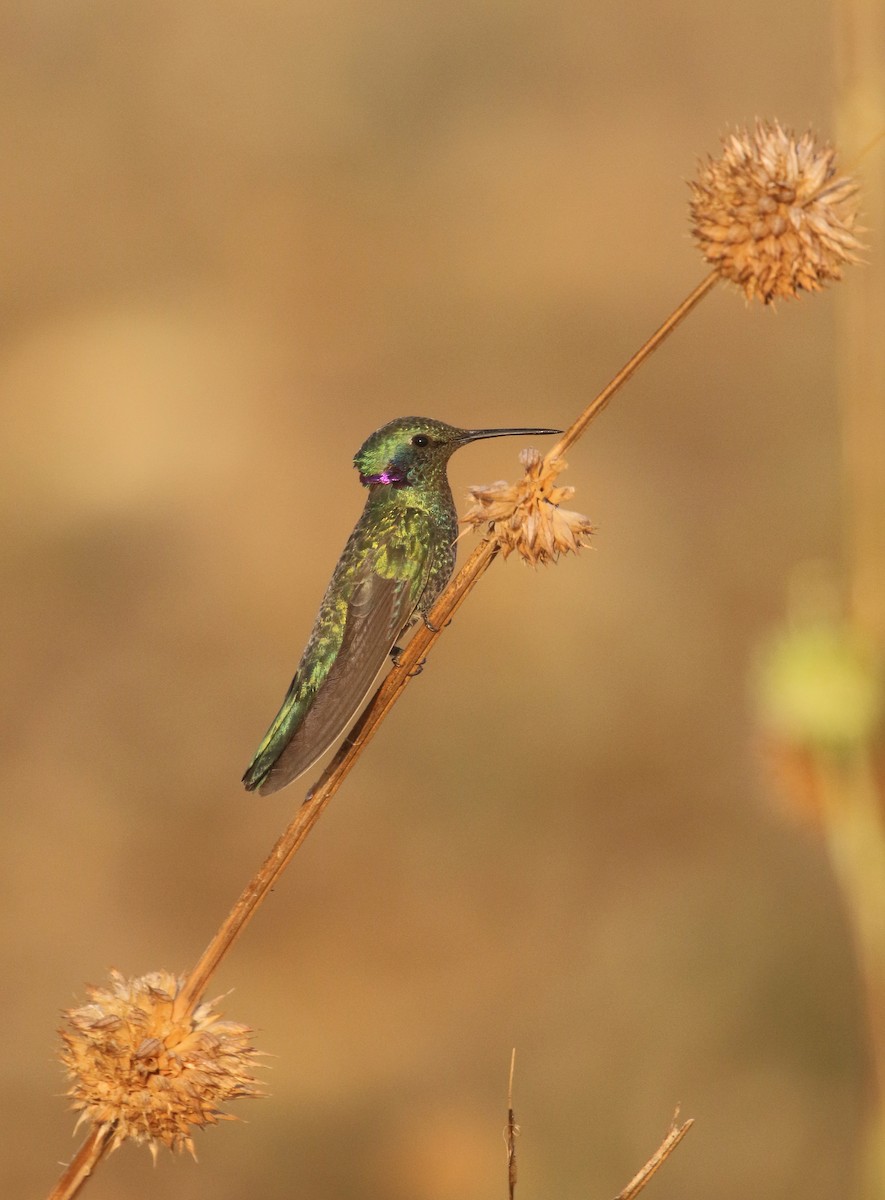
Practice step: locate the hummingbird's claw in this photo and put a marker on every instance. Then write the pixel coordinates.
(428, 624)
(418, 669)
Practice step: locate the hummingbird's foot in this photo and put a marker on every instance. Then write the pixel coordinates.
(395, 653)
(428, 625)
(418, 669)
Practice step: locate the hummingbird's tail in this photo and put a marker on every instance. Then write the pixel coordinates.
(275, 741)
(309, 725)
(257, 771)
(337, 670)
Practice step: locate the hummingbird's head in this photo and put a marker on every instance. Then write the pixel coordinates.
(413, 451)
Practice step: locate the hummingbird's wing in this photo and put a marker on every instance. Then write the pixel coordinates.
(329, 687)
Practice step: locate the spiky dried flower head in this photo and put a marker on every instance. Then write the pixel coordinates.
(772, 215)
(152, 1075)
(526, 516)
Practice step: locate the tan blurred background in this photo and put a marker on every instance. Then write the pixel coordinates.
(235, 240)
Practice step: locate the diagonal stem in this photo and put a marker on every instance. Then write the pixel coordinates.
(94, 1148)
(595, 407)
(668, 1145)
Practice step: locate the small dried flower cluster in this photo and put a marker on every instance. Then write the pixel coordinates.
(526, 517)
(771, 214)
(152, 1075)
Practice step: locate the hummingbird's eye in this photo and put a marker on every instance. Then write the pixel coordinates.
(420, 439)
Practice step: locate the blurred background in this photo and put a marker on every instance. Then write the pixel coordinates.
(236, 239)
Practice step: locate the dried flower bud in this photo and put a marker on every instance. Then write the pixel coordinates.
(771, 214)
(526, 516)
(151, 1074)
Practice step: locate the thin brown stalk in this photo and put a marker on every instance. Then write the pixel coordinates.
(392, 688)
(854, 834)
(84, 1162)
(674, 1136)
(860, 361)
(595, 407)
(854, 796)
(511, 1132)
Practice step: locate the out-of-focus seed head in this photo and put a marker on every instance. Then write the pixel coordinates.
(821, 697)
(152, 1075)
(820, 686)
(526, 516)
(772, 215)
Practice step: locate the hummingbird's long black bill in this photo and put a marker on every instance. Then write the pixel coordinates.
(476, 435)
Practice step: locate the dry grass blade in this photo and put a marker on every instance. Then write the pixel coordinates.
(674, 1136)
(511, 1132)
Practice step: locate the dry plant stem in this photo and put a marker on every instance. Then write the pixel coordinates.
(855, 838)
(674, 1136)
(84, 1162)
(855, 826)
(660, 1156)
(389, 692)
(860, 364)
(593, 409)
(511, 1131)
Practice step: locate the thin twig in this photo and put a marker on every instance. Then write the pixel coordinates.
(674, 1136)
(511, 1131)
(84, 1162)
(595, 407)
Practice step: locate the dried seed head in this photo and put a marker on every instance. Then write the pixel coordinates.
(771, 214)
(526, 517)
(151, 1074)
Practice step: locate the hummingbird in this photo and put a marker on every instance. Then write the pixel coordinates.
(397, 561)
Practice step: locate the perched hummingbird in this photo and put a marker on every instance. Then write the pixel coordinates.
(398, 559)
